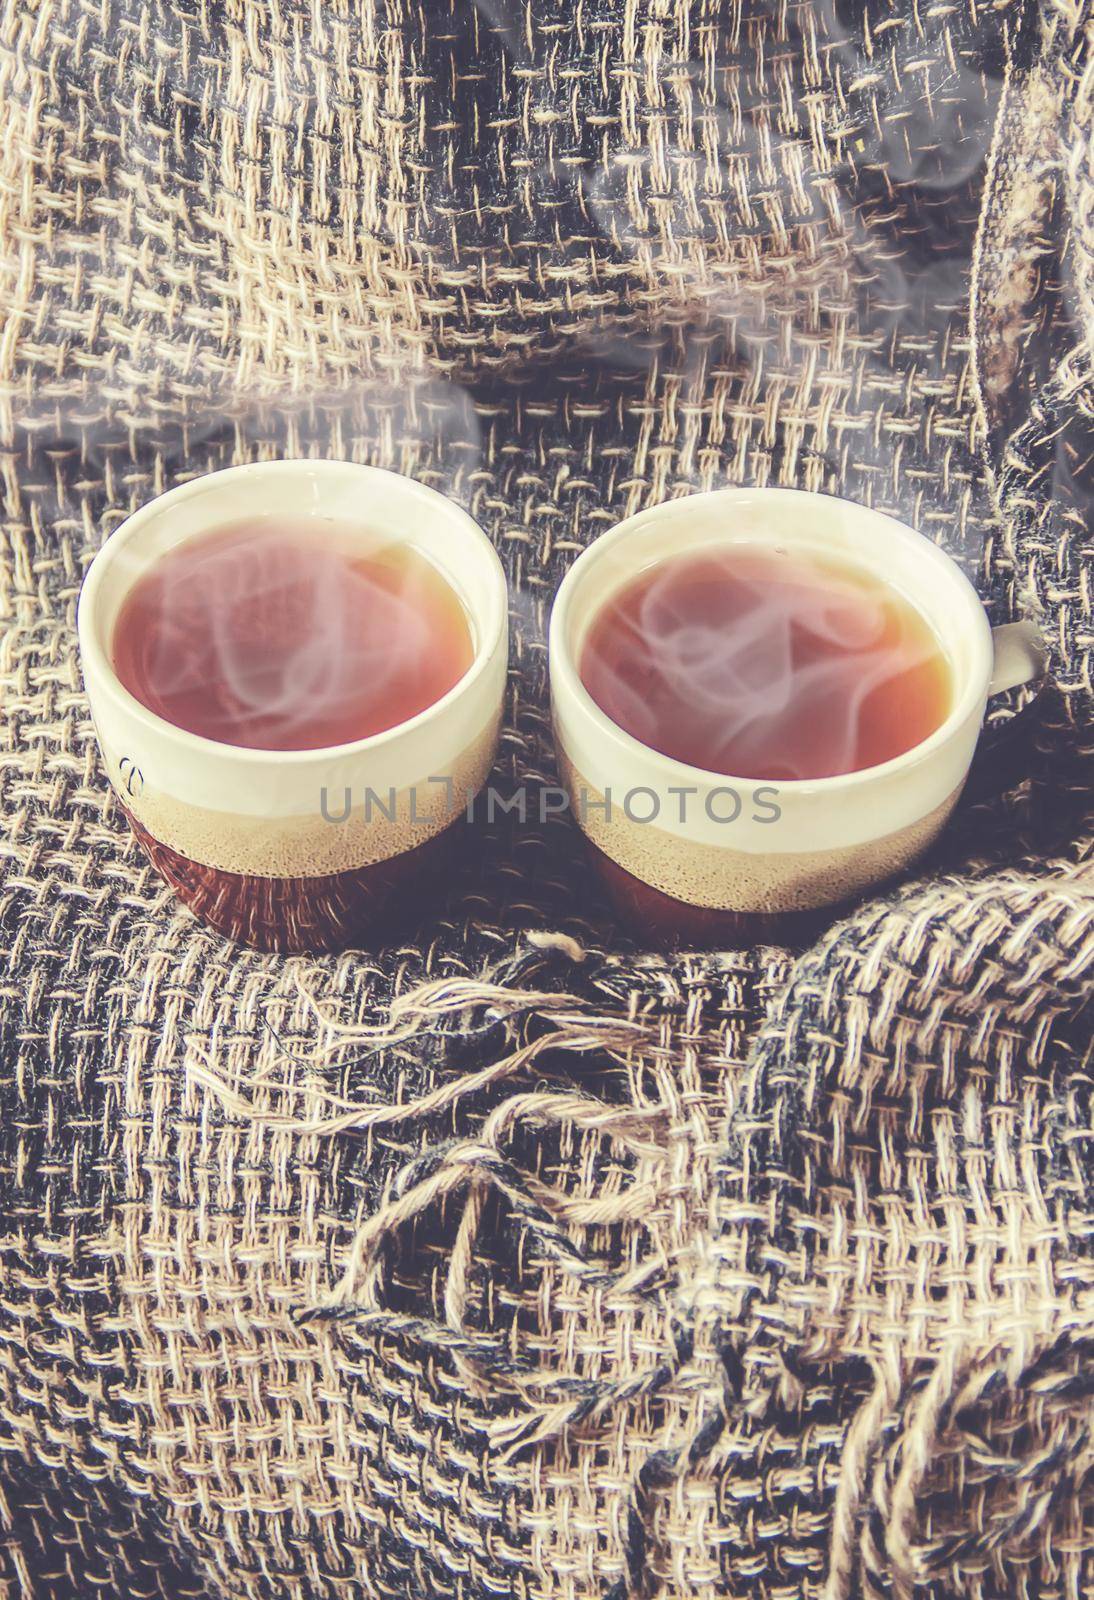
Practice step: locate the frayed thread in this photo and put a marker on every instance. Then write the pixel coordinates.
(477, 1166)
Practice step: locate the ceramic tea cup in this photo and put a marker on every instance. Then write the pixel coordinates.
(692, 852)
(302, 849)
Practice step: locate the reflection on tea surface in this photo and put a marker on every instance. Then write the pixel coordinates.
(758, 663)
(277, 636)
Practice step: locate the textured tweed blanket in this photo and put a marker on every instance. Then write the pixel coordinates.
(514, 1260)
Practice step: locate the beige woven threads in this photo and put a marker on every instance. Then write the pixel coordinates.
(782, 1278)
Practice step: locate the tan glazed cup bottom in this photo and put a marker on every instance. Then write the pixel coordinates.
(299, 915)
(667, 922)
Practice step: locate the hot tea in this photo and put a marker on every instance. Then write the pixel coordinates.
(296, 671)
(280, 636)
(761, 663)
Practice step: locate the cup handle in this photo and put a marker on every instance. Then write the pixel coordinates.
(1020, 655)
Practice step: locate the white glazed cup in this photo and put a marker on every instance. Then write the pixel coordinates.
(299, 849)
(673, 837)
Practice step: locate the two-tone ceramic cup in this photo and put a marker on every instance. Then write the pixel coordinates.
(697, 854)
(299, 849)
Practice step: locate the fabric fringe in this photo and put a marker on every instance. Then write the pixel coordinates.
(540, 1025)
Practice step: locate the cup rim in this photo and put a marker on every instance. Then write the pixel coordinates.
(93, 652)
(565, 675)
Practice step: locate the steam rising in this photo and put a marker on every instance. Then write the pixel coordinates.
(753, 665)
(279, 640)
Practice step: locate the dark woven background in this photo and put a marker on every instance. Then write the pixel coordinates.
(781, 1273)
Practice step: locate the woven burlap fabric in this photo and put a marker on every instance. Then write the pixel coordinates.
(580, 1270)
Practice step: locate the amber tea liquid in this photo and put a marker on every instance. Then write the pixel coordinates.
(281, 637)
(764, 664)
